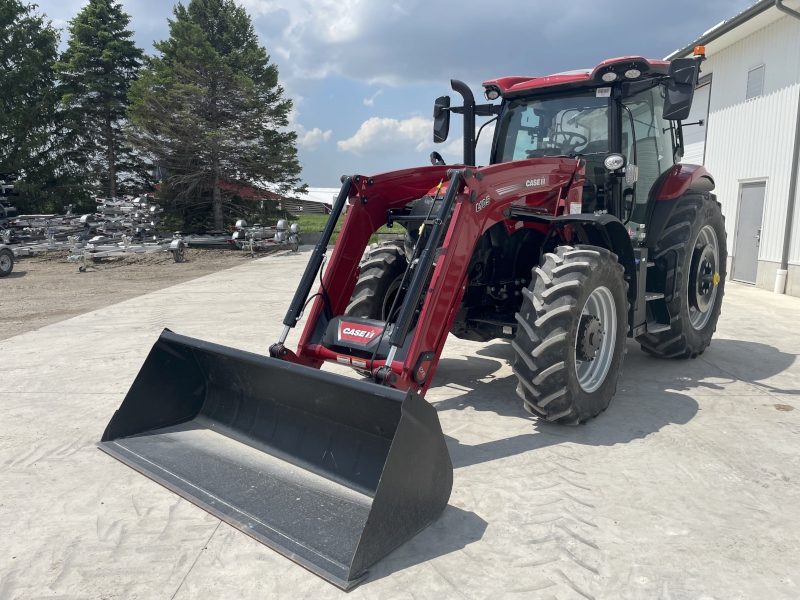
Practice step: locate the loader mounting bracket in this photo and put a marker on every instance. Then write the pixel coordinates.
(385, 376)
(278, 351)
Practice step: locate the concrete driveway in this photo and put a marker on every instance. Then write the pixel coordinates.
(686, 487)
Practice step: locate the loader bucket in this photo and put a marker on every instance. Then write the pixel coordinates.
(332, 472)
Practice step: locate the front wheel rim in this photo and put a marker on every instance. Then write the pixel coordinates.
(698, 319)
(592, 373)
(5, 263)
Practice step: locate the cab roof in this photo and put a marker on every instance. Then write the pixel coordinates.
(514, 86)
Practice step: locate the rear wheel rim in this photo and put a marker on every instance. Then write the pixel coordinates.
(698, 319)
(601, 306)
(5, 263)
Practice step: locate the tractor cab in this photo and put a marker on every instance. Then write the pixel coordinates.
(622, 118)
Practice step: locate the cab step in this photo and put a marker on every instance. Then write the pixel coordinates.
(656, 327)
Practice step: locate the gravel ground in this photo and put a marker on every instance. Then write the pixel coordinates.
(48, 289)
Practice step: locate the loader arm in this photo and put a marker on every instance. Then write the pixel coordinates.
(483, 200)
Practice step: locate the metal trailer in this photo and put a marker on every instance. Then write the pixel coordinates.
(253, 238)
(95, 250)
(259, 237)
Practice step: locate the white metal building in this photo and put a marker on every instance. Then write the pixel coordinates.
(749, 100)
(315, 201)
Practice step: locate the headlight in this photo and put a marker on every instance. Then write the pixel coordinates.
(492, 93)
(632, 73)
(609, 77)
(613, 162)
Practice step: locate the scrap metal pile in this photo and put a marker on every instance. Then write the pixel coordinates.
(122, 227)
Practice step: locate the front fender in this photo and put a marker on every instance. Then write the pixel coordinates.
(605, 231)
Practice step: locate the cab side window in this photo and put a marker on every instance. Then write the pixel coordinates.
(653, 153)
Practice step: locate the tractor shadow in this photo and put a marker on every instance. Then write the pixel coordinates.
(16, 274)
(652, 394)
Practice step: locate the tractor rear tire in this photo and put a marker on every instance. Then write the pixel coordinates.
(696, 222)
(382, 270)
(556, 328)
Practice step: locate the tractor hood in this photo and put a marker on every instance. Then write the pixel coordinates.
(539, 179)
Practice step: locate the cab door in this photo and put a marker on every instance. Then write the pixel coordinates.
(652, 151)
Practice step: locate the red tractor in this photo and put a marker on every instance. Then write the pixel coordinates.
(582, 230)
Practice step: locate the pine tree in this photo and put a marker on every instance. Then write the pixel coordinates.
(95, 72)
(31, 133)
(209, 110)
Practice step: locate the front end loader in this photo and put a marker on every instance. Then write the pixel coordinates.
(584, 230)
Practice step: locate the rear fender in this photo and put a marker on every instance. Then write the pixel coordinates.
(681, 178)
(670, 186)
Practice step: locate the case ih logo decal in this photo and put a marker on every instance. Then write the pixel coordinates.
(482, 204)
(357, 333)
(519, 186)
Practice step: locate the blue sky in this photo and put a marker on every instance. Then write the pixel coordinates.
(364, 73)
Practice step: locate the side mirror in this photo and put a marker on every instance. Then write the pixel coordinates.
(441, 119)
(680, 88)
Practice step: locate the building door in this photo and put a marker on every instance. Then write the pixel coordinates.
(748, 231)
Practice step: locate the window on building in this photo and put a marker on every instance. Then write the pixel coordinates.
(755, 82)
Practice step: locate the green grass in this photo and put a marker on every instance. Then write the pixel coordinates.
(315, 223)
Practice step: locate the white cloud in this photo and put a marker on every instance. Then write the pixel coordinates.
(455, 149)
(371, 100)
(386, 136)
(311, 139)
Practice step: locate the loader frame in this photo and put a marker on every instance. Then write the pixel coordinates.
(481, 198)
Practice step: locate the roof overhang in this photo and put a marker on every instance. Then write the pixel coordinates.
(747, 22)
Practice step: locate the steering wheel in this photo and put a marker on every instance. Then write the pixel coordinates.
(569, 136)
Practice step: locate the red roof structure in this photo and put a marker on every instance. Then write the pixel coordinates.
(512, 86)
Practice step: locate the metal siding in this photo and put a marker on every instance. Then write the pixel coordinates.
(794, 249)
(694, 136)
(753, 139)
(693, 154)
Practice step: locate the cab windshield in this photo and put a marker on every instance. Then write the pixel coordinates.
(566, 126)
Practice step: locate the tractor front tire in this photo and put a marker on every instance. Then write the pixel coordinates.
(570, 342)
(382, 269)
(694, 233)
